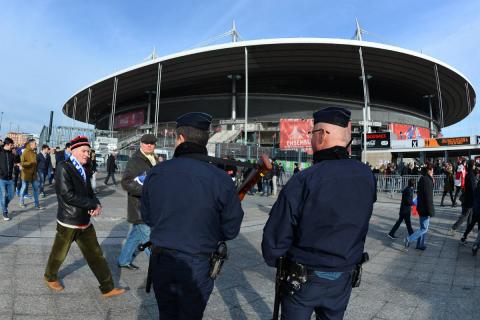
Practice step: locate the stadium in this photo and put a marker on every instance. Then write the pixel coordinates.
(403, 92)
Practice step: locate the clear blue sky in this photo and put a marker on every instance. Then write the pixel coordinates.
(50, 49)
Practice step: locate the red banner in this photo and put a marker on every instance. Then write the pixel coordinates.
(129, 119)
(294, 134)
(408, 132)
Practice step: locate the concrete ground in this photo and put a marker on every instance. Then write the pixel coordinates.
(442, 282)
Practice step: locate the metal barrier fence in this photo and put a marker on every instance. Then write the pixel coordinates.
(396, 183)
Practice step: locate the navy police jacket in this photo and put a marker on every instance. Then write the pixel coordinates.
(321, 216)
(190, 205)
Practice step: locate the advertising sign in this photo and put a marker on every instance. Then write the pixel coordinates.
(378, 140)
(442, 142)
(129, 119)
(408, 132)
(294, 134)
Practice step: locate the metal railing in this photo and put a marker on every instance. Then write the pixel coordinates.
(395, 183)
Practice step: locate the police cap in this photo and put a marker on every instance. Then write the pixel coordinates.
(199, 120)
(333, 115)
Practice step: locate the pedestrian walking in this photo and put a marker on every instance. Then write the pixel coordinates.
(53, 165)
(191, 206)
(281, 175)
(17, 181)
(459, 180)
(296, 168)
(405, 210)
(64, 154)
(275, 175)
(425, 208)
(475, 218)
(6, 176)
(43, 166)
(28, 163)
(319, 223)
(466, 198)
(448, 183)
(111, 168)
(141, 162)
(76, 205)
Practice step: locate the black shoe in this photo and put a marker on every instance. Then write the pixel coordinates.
(442, 205)
(463, 241)
(130, 266)
(474, 250)
(421, 248)
(391, 237)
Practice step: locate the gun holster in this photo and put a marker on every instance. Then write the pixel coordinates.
(357, 272)
(296, 275)
(217, 259)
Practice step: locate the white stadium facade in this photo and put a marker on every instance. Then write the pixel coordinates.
(403, 92)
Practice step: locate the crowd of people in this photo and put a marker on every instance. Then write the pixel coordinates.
(461, 182)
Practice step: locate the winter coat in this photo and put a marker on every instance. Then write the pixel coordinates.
(111, 165)
(6, 164)
(137, 165)
(448, 182)
(28, 161)
(425, 206)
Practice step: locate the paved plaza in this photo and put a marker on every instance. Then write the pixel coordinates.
(442, 282)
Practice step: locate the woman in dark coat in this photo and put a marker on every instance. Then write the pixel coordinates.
(425, 208)
(448, 183)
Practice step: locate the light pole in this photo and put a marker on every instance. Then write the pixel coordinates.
(1, 119)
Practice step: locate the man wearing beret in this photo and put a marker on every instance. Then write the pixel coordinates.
(76, 204)
(320, 220)
(136, 170)
(190, 205)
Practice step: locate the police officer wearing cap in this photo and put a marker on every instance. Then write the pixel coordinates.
(190, 206)
(320, 221)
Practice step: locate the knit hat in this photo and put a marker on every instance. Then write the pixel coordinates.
(79, 141)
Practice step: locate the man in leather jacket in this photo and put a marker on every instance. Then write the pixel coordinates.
(76, 204)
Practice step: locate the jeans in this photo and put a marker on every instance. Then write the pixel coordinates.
(421, 233)
(274, 181)
(408, 223)
(35, 186)
(91, 251)
(6, 194)
(41, 181)
(138, 234)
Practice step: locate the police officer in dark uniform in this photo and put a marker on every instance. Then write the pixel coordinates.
(320, 221)
(190, 206)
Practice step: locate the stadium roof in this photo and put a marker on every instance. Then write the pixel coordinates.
(300, 67)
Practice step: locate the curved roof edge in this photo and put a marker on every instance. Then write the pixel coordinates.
(260, 42)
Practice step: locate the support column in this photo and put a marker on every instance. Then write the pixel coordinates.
(114, 102)
(439, 95)
(74, 110)
(89, 101)
(365, 107)
(234, 98)
(157, 99)
(245, 129)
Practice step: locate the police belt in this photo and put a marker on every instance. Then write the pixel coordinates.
(160, 251)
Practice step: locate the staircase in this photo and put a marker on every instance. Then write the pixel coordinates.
(128, 141)
(226, 136)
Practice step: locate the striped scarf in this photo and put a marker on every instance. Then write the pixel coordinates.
(79, 167)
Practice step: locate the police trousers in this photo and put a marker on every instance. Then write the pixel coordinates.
(327, 298)
(182, 285)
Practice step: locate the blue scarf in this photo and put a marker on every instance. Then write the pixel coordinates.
(79, 167)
